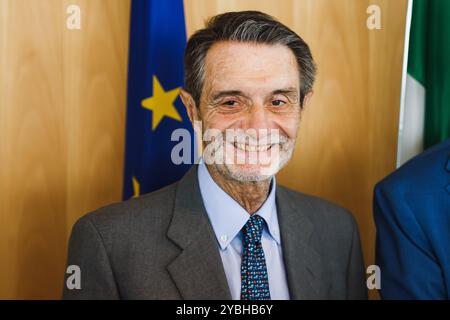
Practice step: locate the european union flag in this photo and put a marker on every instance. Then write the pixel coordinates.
(154, 110)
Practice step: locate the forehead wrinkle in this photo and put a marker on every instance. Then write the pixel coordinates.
(227, 69)
(235, 56)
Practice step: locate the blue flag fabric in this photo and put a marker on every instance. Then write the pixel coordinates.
(154, 110)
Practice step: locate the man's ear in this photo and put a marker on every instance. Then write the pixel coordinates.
(194, 116)
(189, 103)
(307, 99)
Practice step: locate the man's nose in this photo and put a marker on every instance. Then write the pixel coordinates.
(257, 118)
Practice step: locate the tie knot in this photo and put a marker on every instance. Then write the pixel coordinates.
(253, 229)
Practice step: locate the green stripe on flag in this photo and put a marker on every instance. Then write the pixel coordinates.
(429, 64)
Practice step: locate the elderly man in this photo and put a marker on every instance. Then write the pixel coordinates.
(226, 230)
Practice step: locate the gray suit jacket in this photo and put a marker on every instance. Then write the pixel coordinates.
(161, 246)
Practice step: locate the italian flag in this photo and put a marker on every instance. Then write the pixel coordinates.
(426, 111)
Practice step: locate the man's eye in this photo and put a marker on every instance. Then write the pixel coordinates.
(278, 103)
(231, 103)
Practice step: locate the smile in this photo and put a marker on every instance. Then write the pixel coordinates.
(250, 148)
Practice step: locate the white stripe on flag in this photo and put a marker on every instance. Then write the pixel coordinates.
(411, 128)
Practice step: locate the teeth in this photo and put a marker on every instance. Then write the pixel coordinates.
(247, 147)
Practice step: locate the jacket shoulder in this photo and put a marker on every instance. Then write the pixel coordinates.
(128, 217)
(426, 171)
(322, 212)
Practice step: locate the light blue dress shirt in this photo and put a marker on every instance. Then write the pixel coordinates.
(228, 218)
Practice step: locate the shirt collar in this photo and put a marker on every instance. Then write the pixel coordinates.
(227, 216)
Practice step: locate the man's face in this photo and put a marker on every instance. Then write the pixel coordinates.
(254, 88)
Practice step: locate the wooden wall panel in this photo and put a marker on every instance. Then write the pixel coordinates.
(62, 132)
(62, 115)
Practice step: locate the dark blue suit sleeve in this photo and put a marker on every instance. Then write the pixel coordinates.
(409, 269)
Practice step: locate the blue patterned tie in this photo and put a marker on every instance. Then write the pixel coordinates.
(254, 279)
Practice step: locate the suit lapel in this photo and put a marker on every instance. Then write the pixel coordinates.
(198, 271)
(302, 263)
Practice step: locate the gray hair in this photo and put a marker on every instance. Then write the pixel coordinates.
(244, 26)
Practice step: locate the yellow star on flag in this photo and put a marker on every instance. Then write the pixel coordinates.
(136, 187)
(161, 103)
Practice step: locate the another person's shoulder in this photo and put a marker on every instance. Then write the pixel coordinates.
(423, 172)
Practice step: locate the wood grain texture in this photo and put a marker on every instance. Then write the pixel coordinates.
(348, 135)
(62, 132)
(62, 116)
